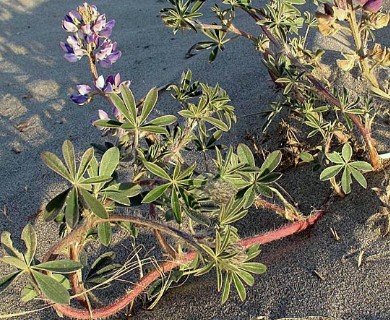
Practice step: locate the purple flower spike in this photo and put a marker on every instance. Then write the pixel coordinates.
(373, 5)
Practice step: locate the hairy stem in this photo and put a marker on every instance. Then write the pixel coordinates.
(151, 277)
(74, 279)
(160, 238)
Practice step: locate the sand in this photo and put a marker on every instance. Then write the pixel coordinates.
(36, 115)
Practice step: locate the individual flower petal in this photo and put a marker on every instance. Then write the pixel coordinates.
(108, 88)
(100, 23)
(103, 115)
(80, 99)
(112, 58)
(71, 57)
(100, 83)
(86, 28)
(106, 32)
(69, 26)
(84, 89)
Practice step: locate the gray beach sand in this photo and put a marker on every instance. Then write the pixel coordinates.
(310, 275)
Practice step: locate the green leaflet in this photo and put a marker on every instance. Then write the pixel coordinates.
(30, 239)
(52, 289)
(59, 266)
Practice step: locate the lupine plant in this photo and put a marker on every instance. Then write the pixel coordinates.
(191, 209)
(295, 68)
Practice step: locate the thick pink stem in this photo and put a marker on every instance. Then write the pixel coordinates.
(147, 280)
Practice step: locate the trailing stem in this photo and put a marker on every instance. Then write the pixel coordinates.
(167, 266)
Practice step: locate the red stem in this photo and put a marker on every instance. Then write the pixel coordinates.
(147, 280)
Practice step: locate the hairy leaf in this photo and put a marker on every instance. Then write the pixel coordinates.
(8, 246)
(149, 103)
(72, 209)
(7, 280)
(93, 204)
(104, 233)
(54, 207)
(51, 288)
(30, 239)
(59, 266)
(55, 164)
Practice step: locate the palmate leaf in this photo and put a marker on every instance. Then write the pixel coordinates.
(226, 287)
(254, 267)
(96, 180)
(51, 288)
(358, 177)
(30, 239)
(175, 205)
(335, 157)
(347, 152)
(361, 165)
(154, 129)
(59, 266)
(54, 207)
(108, 124)
(217, 123)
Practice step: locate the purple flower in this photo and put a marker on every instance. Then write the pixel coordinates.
(107, 30)
(108, 54)
(84, 94)
(72, 21)
(111, 84)
(73, 50)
